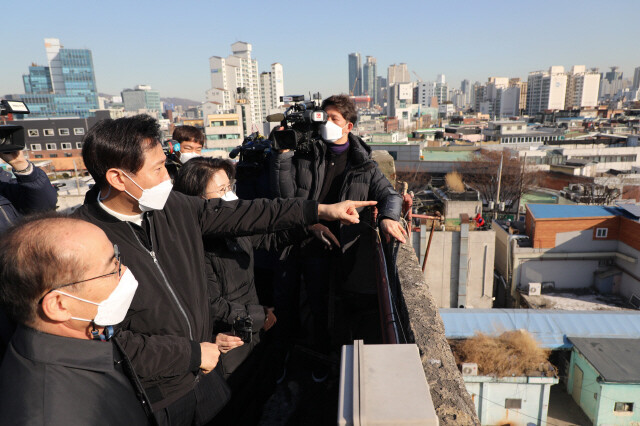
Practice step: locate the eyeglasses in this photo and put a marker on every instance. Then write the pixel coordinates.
(116, 255)
(231, 186)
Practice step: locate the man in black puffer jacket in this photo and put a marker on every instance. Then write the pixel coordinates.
(338, 168)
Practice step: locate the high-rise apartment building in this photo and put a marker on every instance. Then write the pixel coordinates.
(142, 99)
(611, 83)
(426, 92)
(370, 79)
(64, 88)
(500, 99)
(398, 74)
(382, 90)
(546, 90)
(582, 87)
(271, 89)
(355, 74)
(465, 88)
(522, 85)
(234, 81)
(636, 78)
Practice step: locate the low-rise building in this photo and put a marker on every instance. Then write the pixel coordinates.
(604, 379)
(573, 247)
(223, 131)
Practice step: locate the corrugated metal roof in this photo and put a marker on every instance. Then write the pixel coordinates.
(615, 359)
(549, 327)
(565, 211)
(632, 209)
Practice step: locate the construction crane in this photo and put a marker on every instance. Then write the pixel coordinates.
(416, 74)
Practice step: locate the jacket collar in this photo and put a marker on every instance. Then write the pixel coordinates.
(359, 152)
(64, 351)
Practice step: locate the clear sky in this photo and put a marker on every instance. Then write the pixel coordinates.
(166, 44)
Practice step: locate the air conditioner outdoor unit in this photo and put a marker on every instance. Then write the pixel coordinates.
(469, 369)
(534, 289)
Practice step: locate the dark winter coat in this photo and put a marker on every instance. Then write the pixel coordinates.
(232, 289)
(53, 380)
(301, 175)
(170, 313)
(24, 194)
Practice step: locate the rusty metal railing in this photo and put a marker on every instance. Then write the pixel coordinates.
(388, 312)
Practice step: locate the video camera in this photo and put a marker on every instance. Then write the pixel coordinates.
(170, 146)
(12, 136)
(301, 122)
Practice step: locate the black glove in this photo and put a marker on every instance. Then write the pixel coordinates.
(322, 233)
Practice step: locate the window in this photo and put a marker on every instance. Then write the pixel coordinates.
(601, 232)
(78, 131)
(53, 155)
(66, 145)
(63, 132)
(623, 407)
(78, 145)
(48, 132)
(513, 403)
(38, 156)
(36, 147)
(33, 133)
(51, 147)
(231, 123)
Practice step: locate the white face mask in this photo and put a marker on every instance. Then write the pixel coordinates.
(331, 132)
(186, 156)
(153, 198)
(113, 309)
(229, 196)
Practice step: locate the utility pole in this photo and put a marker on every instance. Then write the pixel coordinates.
(497, 204)
(524, 162)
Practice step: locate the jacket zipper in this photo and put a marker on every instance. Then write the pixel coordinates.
(164, 277)
(6, 216)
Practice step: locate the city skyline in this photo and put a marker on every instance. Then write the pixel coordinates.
(173, 58)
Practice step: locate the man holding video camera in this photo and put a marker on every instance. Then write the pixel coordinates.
(30, 191)
(337, 167)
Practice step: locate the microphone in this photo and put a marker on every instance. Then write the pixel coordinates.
(275, 118)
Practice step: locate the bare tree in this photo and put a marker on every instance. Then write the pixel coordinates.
(481, 174)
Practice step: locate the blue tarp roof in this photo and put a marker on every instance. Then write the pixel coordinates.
(567, 211)
(549, 327)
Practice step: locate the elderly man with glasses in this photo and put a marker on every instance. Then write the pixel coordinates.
(62, 282)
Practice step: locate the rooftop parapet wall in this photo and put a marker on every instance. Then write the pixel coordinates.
(423, 326)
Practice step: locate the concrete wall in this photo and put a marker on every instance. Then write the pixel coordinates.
(590, 391)
(630, 283)
(443, 263)
(582, 241)
(501, 250)
(421, 324)
(453, 209)
(489, 395)
(610, 393)
(565, 273)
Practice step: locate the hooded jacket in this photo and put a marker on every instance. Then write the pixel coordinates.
(170, 313)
